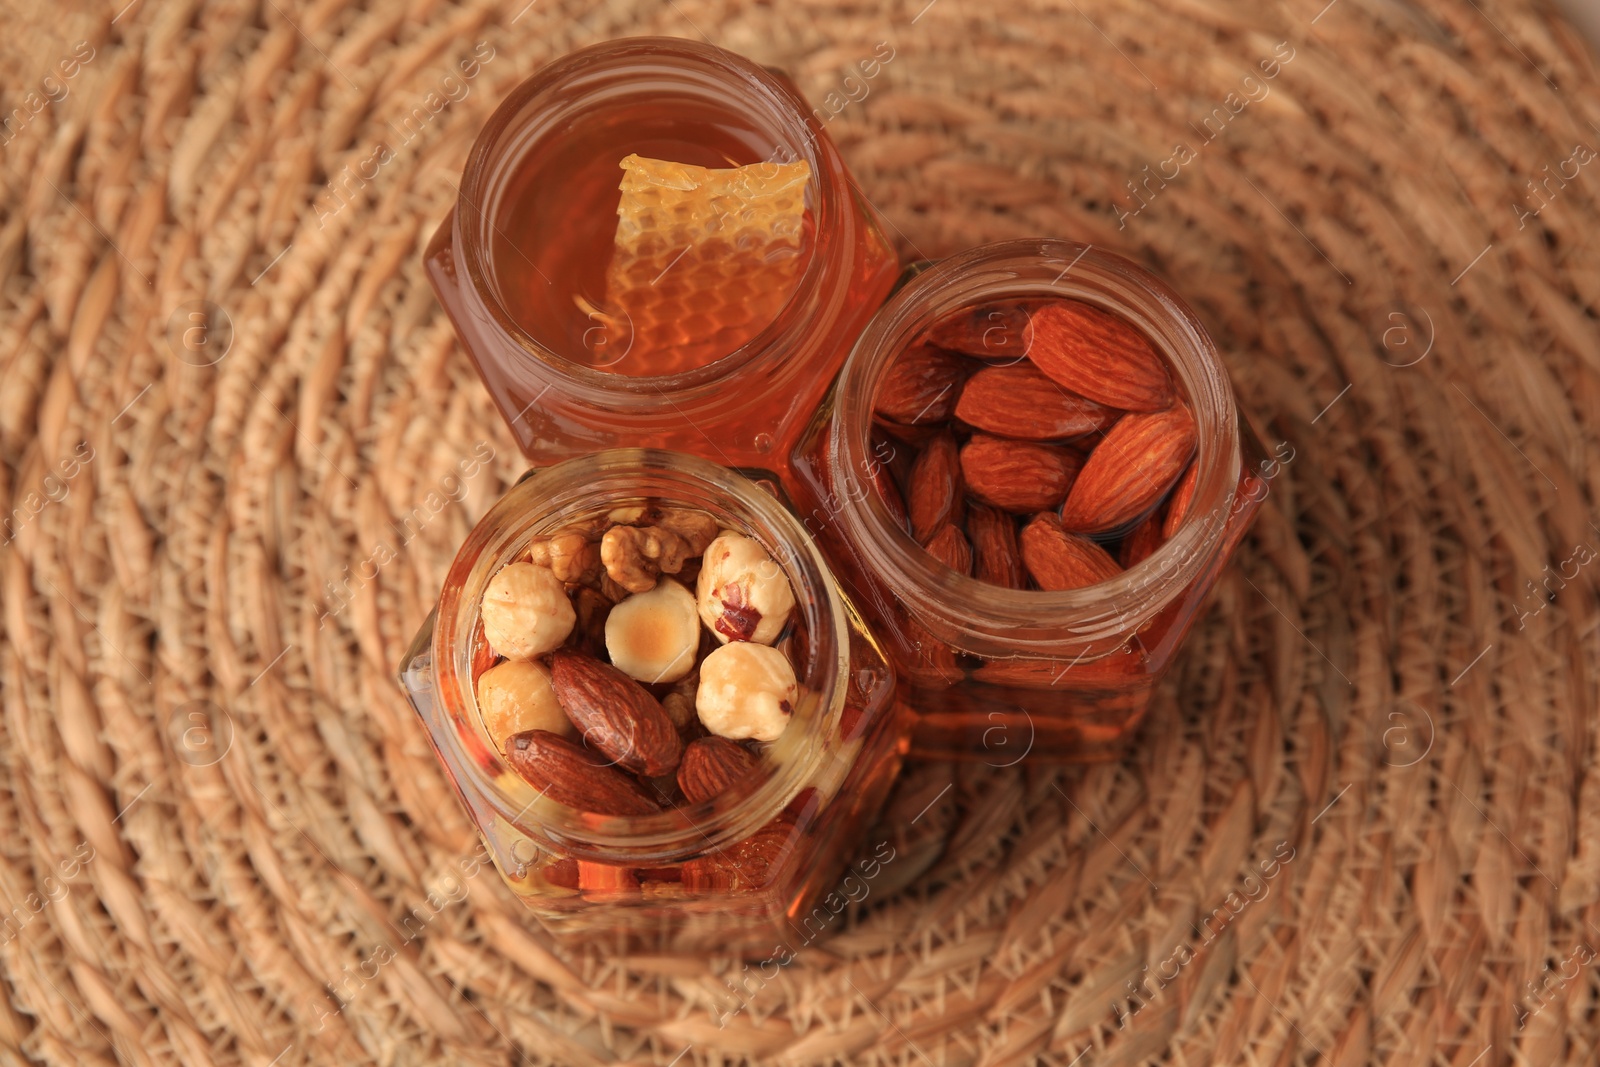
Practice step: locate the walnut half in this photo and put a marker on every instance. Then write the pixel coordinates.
(570, 555)
(635, 555)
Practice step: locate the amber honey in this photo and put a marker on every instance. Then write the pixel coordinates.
(554, 249)
(725, 361)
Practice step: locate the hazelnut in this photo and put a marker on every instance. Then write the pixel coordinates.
(516, 695)
(746, 691)
(525, 611)
(744, 595)
(653, 636)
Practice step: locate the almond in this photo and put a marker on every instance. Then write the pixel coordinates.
(1098, 355)
(1109, 672)
(851, 720)
(569, 774)
(615, 714)
(1017, 476)
(1060, 560)
(989, 331)
(746, 865)
(562, 871)
(893, 502)
(1021, 402)
(1142, 542)
(934, 489)
(920, 386)
(1182, 497)
(915, 436)
(950, 547)
(603, 877)
(710, 765)
(1129, 470)
(994, 547)
(931, 663)
(802, 811)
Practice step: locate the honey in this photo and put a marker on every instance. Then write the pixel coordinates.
(585, 345)
(644, 294)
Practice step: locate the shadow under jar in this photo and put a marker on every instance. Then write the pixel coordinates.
(728, 873)
(997, 673)
(521, 262)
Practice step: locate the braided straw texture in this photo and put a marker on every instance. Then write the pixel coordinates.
(1362, 825)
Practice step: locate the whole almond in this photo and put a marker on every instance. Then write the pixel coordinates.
(920, 386)
(615, 714)
(1096, 354)
(988, 331)
(893, 502)
(1142, 542)
(569, 774)
(1060, 560)
(1111, 672)
(1017, 476)
(1021, 402)
(605, 878)
(1182, 497)
(1131, 468)
(950, 547)
(915, 436)
(994, 547)
(931, 663)
(745, 865)
(562, 871)
(710, 765)
(851, 719)
(934, 489)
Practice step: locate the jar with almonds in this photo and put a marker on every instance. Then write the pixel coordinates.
(1029, 475)
(665, 720)
(657, 244)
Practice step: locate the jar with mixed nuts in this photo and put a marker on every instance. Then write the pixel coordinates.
(662, 715)
(1029, 475)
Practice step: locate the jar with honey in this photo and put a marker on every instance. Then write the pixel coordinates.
(657, 245)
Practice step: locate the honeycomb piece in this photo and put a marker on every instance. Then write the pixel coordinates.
(703, 261)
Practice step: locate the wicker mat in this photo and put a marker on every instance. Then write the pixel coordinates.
(1362, 825)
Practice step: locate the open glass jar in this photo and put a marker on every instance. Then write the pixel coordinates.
(997, 673)
(725, 872)
(521, 262)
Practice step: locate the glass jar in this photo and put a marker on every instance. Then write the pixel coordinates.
(1001, 674)
(643, 880)
(533, 227)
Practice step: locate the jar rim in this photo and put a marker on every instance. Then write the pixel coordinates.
(758, 87)
(1093, 620)
(543, 500)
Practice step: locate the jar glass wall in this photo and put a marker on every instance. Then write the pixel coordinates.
(999, 673)
(520, 264)
(689, 877)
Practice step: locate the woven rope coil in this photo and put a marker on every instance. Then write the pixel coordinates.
(1363, 825)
